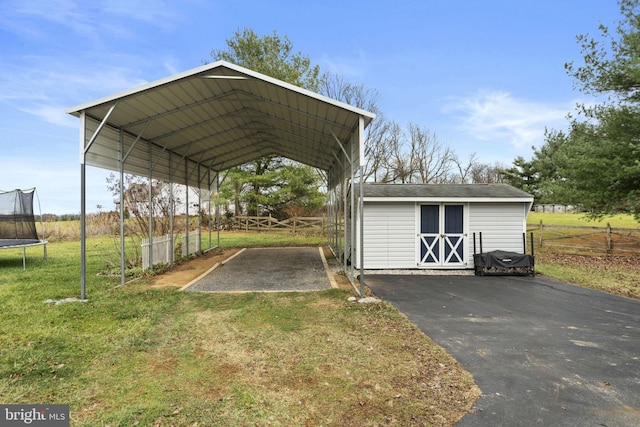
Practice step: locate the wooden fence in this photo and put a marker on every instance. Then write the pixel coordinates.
(267, 223)
(607, 239)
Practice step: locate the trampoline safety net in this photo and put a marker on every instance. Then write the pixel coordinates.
(17, 221)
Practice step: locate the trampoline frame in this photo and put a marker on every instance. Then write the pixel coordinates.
(24, 247)
(26, 243)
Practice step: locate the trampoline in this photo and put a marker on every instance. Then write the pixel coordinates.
(17, 222)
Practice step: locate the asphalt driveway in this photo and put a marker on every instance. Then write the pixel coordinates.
(543, 352)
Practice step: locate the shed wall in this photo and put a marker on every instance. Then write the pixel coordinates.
(390, 231)
(389, 235)
(501, 225)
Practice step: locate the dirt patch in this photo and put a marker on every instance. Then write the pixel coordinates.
(188, 270)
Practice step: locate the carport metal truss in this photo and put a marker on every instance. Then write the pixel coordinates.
(187, 128)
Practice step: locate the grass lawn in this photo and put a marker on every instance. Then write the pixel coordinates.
(137, 355)
(618, 275)
(615, 274)
(581, 220)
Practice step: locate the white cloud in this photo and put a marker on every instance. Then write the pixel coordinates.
(498, 116)
(159, 14)
(351, 67)
(53, 114)
(170, 64)
(93, 20)
(45, 88)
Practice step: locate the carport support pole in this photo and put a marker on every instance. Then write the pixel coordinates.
(121, 191)
(150, 202)
(198, 244)
(172, 210)
(361, 229)
(84, 148)
(209, 208)
(186, 216)
(83, 225)
(352, 216)
(344, 227)
(218, 217)
(199, 209)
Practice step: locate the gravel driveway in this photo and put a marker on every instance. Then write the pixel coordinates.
(267, 269)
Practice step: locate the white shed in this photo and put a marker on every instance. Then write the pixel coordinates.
(431, 226)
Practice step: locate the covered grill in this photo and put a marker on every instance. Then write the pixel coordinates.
(503, 262)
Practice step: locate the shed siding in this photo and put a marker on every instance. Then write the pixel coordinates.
(389, 235)
(501, 225)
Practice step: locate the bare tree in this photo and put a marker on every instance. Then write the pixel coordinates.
(432, 161)
(137, 206)
(360, 96)
(397, 166)
(375, 147)
(464, 170)
(391, 153)
(487, 173)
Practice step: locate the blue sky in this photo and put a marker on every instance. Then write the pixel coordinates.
(485, 76)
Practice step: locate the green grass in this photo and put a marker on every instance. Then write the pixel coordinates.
(136, 355)
(582, 220)
(590, 266)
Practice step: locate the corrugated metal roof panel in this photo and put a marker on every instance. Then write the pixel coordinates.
(219, 116)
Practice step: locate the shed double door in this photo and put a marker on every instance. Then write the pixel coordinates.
(441, 238)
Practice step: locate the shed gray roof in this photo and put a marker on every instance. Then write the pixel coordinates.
(444, 191)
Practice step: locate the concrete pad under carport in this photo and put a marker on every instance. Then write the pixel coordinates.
(289, 269)
(543, 352)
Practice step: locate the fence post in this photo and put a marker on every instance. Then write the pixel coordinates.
(540, 231)
(609, 243)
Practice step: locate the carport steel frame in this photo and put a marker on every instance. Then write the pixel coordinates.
(189, 127)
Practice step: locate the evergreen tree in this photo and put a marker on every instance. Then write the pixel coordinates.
(272, 185)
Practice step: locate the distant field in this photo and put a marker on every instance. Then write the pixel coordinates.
(619, 221)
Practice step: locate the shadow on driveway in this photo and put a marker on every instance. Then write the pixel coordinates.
(543, 352)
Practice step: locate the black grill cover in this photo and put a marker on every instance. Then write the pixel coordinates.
(503, 262)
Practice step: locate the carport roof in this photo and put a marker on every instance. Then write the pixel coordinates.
(215, 117)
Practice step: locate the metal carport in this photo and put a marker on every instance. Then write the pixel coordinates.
(187, 128)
